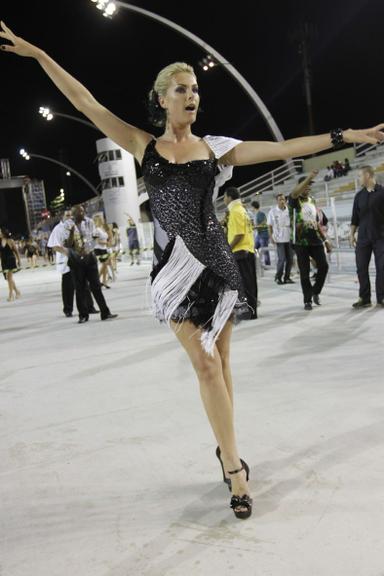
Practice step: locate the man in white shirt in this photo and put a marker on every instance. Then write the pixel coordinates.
(280, 233)
(78, 247)
(57, 238)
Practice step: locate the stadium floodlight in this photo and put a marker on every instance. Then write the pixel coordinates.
(46, 113)
(49, 114)
(207, 63)
(110, 9)
(107, 7)
(24, 154)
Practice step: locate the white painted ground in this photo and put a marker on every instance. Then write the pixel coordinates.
(107, 464)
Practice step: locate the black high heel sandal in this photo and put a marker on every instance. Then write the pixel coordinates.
(244, 501)
(228, 480)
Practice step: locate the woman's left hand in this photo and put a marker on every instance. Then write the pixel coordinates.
(373, 135)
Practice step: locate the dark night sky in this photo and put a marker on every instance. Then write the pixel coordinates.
(118, 59)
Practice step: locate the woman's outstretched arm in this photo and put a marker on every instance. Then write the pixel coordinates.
(256, 152)
(127, 136)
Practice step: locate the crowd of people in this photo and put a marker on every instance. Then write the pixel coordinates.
(337, 169)
(35, 248)
(40, 249)
(297, 229)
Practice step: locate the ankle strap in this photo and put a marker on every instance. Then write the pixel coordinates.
(236, 471)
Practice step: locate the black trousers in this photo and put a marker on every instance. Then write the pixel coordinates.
(363, 258)
(284, 260)
(85, 271)
(68, 292)
(247, 266)
(304, 253)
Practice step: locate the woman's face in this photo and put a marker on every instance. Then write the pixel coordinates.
(182, 99)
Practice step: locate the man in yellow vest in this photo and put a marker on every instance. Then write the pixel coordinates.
(241, 241)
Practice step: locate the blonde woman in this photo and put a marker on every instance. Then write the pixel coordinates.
(196, 286)
(10, 262)
(101, 247)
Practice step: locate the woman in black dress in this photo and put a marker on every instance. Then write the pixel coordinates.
(31, 251)
(196, 286)
(10, 262)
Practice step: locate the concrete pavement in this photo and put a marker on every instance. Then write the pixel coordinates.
(107, 464)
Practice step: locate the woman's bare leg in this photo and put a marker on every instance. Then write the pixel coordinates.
(111, 268)
(16, 291)
(10, 286)
(216, 399)
(104, 272)
(223, 347)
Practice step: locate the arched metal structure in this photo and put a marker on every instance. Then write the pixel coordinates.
(87, 182)
(258, 102)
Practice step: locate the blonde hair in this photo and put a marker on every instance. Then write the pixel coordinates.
(164, 77)
(368, 170)
(99, 221)
(160, 87)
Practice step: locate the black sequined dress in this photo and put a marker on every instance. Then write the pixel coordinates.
(194, 275)
(7, 258)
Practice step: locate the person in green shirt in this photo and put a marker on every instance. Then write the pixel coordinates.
(308, 239)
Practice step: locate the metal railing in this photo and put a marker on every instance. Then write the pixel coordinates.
(267, 182)
(271, 179)
(363, 149)
(277, 180)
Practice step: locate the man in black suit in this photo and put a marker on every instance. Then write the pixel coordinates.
(368, 219)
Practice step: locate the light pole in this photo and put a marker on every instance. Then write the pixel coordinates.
(108, 8)
(49, 115)
(29, 155)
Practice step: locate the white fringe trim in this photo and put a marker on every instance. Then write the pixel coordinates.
(223, 310)
(173, 282)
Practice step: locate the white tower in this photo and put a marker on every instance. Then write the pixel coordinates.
(119, 184)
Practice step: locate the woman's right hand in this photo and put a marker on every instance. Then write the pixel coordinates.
(18, 45)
